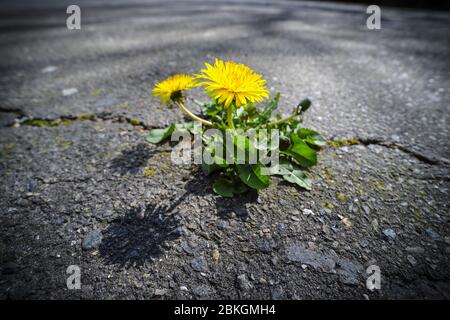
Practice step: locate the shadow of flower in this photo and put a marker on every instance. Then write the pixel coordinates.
(140, 236)
(143, 234)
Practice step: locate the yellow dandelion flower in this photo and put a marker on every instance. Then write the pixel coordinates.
(172, 87)
(230, 82)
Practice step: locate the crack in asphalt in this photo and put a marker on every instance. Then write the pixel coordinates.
(12, 110)
(108, 116)
(94, 117)
(429, 159)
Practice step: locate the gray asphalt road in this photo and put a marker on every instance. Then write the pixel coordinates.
(164, 235)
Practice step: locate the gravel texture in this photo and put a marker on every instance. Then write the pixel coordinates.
(90, 192)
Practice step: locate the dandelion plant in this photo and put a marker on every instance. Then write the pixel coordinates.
(237, 138)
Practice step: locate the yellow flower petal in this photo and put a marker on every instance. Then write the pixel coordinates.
(230, 82)
(172, 87)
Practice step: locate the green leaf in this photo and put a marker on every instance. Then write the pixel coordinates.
(284, 167)
(252, 177)
(159, 135)
(224, 188)
(184, 126)
(240, 188)
(246, 147)
(293, 174)
(298, 177)
(262, 143)
(311, 137)
(250, 110)
(301, 152)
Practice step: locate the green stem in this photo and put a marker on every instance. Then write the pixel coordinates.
(230, 112)
(276, 123)
(193, 116)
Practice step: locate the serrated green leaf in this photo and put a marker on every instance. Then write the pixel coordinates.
(284, 167)
(185, 125)
(252, 177)
(159, 135)
(298, 177)
(301, 152)
(311, 137)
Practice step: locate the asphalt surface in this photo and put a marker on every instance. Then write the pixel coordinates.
(77, 193)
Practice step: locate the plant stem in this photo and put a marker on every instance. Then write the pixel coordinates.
(276, 123)
(193, 116)
(230, 112)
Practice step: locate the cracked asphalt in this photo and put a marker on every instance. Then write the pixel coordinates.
(91, 192)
